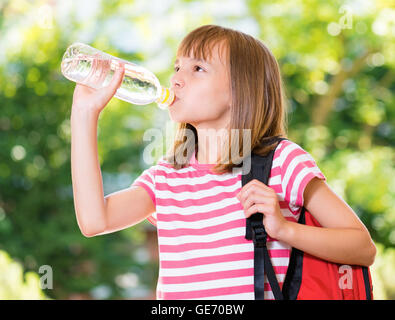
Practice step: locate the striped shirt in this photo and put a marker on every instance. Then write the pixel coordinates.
(201, 225)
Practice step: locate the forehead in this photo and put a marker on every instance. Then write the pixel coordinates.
(178, 59)
(212, 52)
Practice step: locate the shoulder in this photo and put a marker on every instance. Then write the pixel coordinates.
(288, 152)
(150, 172)
(297, 168)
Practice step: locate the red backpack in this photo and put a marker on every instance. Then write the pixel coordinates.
(308, 277)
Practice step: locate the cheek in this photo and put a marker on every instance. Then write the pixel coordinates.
(219, 92)
(213, 98)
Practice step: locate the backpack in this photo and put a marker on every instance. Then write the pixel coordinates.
(307, 277)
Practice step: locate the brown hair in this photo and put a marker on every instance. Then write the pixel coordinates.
(258, 101)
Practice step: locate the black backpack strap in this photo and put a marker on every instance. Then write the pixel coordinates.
(244, 180)
(255, 230)
(293, 278)
(365, 272)
(259, 238)
(259, 164)
(263, 264)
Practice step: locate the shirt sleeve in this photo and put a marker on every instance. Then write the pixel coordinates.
(298, 168)
(147, 181)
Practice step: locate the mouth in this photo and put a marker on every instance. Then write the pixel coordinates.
(175, 100)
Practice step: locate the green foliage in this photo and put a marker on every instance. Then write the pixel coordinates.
(338, 68)
(14, 285)
(382, 274)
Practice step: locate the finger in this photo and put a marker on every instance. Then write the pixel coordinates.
(98, 70)
(253, 195)
(254, 189)
(269, 202)
(117, 78)
(257, 207)
(253, 182)
(244, 191)
(254, 199)
(106, 68)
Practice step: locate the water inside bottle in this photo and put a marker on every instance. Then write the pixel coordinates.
(139, 86)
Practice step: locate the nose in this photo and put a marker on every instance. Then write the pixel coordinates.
(176, 81)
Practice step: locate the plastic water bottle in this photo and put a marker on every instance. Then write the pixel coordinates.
(84, 64)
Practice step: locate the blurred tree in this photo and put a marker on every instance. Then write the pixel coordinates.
(38, 223)
(14, 285)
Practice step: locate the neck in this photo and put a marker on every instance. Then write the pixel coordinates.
(210, 145)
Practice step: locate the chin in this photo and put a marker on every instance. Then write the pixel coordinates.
(179, 117)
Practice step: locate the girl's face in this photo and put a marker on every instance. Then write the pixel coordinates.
(202, 91)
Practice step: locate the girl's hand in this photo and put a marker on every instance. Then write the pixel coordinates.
(255, 196)
(96, 99)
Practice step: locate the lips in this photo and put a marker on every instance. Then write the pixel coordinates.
(175, 100)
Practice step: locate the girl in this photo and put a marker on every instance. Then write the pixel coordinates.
(223, 80)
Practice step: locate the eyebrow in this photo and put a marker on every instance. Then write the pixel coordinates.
(194, 59)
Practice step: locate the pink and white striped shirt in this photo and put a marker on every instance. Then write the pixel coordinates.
(201, 225)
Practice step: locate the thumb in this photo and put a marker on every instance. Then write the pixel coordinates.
(117, 78)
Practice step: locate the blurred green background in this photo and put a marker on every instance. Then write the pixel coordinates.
(337, 59)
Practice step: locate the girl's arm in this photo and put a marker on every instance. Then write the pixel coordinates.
(89, 202)
(343, 238)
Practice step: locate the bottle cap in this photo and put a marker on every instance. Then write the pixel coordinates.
(166, 98)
